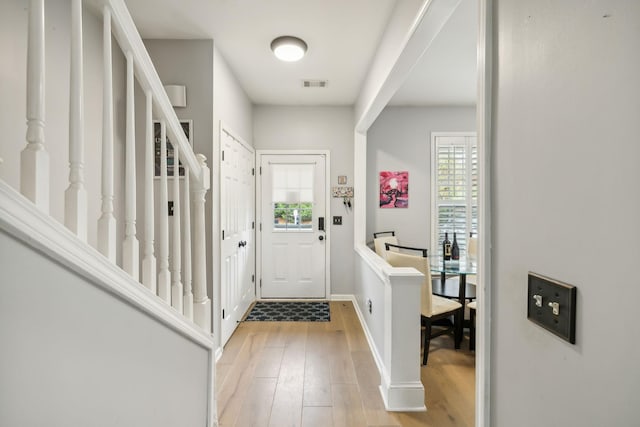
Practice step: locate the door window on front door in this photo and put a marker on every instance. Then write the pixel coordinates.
(292, 197)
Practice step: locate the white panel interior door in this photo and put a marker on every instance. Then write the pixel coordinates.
(293, 236)
(238, 228)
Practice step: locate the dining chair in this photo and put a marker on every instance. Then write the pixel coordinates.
(379, 240)
(472, 253)
(433, 307)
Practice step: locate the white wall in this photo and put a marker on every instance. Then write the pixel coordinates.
(566, 204)
(326, 128)
(13, 50)
(399, 140)
(74, 355)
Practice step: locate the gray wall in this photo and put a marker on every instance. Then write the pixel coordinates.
(399, 140)
(319, 128)
(566, 204)
(74, 355)
(231, 105)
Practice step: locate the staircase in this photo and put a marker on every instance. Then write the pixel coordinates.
(78, 274)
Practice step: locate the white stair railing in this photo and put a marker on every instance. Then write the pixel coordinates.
(178, 275)
(174, 285)
(170, 288)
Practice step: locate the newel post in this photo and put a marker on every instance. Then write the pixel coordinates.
(34, 160)
(201, 302)
(401, 387)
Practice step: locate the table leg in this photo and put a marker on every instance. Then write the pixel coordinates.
(462, 296)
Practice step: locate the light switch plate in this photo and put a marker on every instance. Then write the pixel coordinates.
(552, 305)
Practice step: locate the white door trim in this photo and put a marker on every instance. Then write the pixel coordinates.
(258, 162)
(484, 104)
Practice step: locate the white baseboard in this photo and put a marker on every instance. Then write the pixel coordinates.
(341, 297)
(217, 354)
(376, 356)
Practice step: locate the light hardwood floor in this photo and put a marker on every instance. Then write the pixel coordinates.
(322, 374)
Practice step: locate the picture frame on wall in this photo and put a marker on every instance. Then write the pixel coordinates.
(394, 189)
(187, 127)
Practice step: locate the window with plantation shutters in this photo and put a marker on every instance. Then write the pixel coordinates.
(454, 196)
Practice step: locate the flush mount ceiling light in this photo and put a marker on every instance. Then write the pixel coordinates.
(288, 48)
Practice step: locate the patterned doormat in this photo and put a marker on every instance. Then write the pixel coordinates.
(289, 311)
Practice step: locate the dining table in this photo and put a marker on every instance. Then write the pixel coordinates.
(458, 289)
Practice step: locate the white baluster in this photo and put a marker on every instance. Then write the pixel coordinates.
(34, 160)
(164, 276)
(201, 303)
(149, 259)
(107, 221)
(130, 245)
(75, 197)
(186, 222)
(176, 286)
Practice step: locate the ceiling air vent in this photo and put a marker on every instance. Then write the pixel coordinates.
(315, 83)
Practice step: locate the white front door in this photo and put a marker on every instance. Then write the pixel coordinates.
(293, 226)
(238, 228)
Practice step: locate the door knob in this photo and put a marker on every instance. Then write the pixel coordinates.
(320, 237)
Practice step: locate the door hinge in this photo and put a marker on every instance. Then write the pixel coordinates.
(223, 155)
(253, 278)
(260, 170)
(223, 313)
(222, 234)
(253, 171)
(260, 226)
(261, 283)
(253, 225)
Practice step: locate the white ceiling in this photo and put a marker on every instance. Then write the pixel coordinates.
(342, 37)
(446, 74)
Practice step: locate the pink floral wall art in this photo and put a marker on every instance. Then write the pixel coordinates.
(394, 189)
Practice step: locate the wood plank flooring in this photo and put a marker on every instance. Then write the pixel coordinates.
(308, 374)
